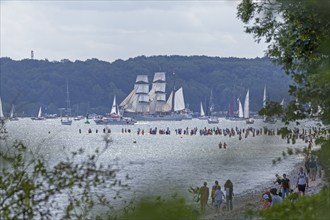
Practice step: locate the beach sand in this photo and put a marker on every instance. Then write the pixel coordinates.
(251, 199)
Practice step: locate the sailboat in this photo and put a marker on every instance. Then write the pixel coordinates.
(202, 115)
(267, 119)
(12, 116)
(67, 120)
(114, 117)
(212, 119)
(2, 116)
(247, 109)
(39, 117)
(240, 109)
(151, 105)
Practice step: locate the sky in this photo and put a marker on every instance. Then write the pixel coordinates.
(112, 30)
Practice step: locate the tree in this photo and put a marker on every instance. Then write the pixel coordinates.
(29, 189)
(297, 33)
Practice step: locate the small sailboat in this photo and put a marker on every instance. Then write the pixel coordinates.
(2, 116)
(247, 109)
(202, 113)
(114, 117)
(213, 120)
(67, 120)
(39, 117)
(12, 116)
(240, 109)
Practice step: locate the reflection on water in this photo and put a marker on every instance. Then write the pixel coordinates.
(164, 164)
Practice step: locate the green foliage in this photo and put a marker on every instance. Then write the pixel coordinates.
(298, 36)
(299, 40)
(159, 209)
(305, 207)
(272, 109)
(29, 189)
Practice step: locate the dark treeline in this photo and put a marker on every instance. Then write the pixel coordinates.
(93, 83)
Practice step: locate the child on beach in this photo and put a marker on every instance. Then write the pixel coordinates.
(266, 200)
(214, 188)
(218, 197)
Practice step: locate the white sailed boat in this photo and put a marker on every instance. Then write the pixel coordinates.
(240, 109)
(67, 120)
(39, 117)
(12, 116)
(202, 115)
(151, 105)
(114, 117)
(247, 109)
(2, 116)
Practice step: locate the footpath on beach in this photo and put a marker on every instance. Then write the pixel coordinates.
(252, 200)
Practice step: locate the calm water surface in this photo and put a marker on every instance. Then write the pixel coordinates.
(164, 164)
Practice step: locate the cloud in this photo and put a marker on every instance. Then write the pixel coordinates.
(110, 30)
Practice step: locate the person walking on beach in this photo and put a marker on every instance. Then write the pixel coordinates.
(229, 189)
(218, 197)
(204, 196)
(302, 181)
(214, 188)
(285, 186)
(313, 168)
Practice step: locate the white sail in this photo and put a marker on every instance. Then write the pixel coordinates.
(159, 76)
(114, 106)
(142, 79)
(1, 110)
(142, 85)
(11, 114)
(159, 88)
(202, 113)
(128, 100)
(240, 109)
(179, 104)
(39, 113)
(247, 105)
(282, 102)
(169, 102)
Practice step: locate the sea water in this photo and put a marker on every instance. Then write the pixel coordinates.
(166, 164)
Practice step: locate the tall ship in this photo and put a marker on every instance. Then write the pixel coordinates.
(149, 102)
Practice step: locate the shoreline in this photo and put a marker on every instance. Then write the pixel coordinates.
(251, 199)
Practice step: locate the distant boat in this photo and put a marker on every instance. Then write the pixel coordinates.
(202, 113)
(12, 116)
(67, 120)
(114, 117)
(39, 117)
(2, 116)
(213, 120)
(247, 109)
(267, 119)
(240, 109)
(151, 105)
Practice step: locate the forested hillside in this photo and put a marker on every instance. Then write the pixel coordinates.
(93, 83)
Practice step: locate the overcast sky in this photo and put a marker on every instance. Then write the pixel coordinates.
(111, 30)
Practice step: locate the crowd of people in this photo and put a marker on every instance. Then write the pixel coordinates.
(284, 187)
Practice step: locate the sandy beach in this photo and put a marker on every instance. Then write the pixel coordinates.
(251, 199)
